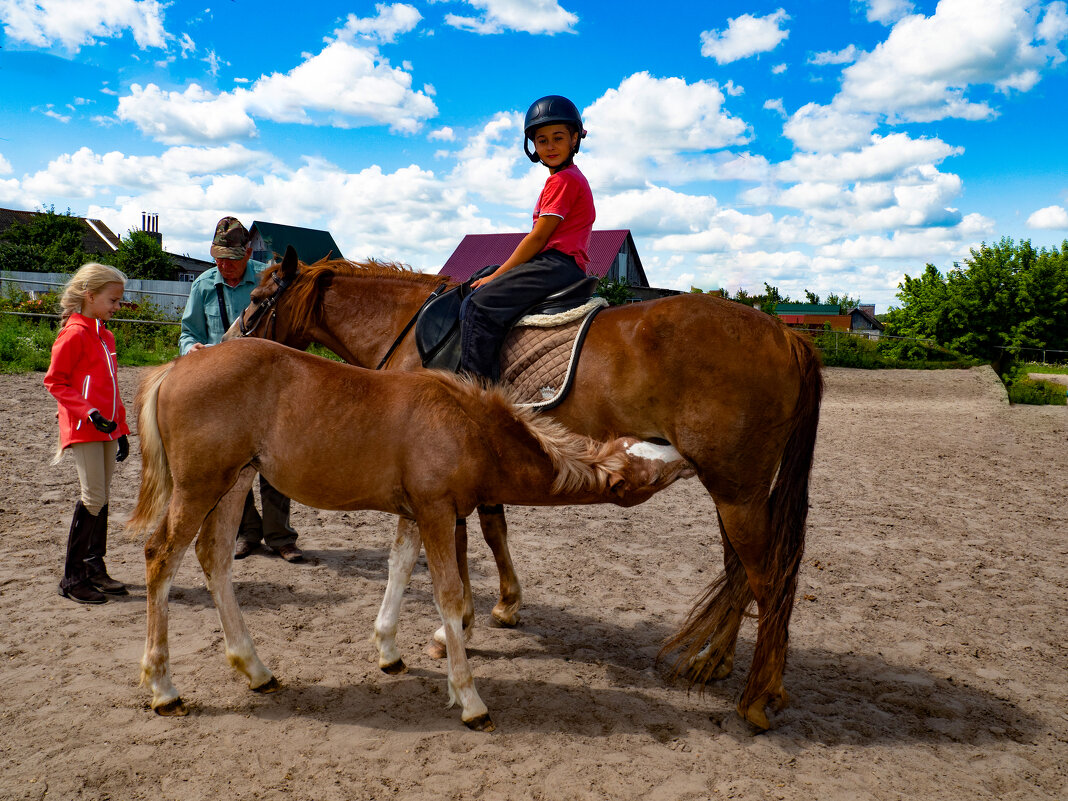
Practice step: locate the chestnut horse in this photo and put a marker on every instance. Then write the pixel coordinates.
(424, 445)
(734, 390)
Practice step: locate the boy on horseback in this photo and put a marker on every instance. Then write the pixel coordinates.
(551, 257)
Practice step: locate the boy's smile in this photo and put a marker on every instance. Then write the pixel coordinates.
(555, 145)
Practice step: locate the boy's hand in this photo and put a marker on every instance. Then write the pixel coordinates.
(101, 423)
(124, 449)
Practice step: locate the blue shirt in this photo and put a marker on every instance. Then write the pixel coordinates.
(202, 321)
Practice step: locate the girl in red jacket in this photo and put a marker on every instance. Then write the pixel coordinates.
(83, 377)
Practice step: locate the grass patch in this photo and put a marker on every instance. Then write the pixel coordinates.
(1048, 369)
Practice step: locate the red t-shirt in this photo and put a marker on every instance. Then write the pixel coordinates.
(567, 195)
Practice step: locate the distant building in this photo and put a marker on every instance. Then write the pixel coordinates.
(269, 241)
(818, 316)
(96, 237)
(612, 255)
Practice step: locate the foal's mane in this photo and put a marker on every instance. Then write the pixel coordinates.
(304, 296)
(580, 462)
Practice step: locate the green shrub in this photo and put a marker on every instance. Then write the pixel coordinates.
(1022, 389)
(845, 350)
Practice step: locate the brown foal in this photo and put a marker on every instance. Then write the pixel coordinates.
(426, 446)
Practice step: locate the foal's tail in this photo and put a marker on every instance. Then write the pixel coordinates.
(156, 482)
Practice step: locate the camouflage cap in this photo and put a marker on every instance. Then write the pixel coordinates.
(231, 239)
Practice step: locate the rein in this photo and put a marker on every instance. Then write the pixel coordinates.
(408, 327)
(267, 306)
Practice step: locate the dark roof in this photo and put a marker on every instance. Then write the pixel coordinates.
(310, 244)
(97, 237)
(476, 251)
(867, 315)
(808, 308)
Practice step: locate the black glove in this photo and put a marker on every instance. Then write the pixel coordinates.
(124, 449)
(102, 423)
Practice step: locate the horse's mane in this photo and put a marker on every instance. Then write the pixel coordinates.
(304, 296)
(580, 462)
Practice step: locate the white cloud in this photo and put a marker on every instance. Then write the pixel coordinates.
(779, 69)
(886, 156)
(815, 128)
(655, 128)
(845, 56)
(528, 16)
(391, 20)
(775, 104)
(343, 85)
(1052, 217)
(888, 11)
(744, 36)
(443, 134)
(43, 23)
(924, 68)
(195, 115)
(5, 165)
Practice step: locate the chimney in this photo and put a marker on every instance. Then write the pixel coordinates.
(150, 226)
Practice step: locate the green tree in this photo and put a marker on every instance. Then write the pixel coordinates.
(49, 243)
(141, 256)
(615, 292)
(1005, 296)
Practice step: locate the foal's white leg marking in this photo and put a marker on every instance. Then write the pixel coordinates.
(402, 556)
(654, 452)
(155, 664)
(437, 532)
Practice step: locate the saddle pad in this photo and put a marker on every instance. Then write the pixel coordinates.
(539, 362)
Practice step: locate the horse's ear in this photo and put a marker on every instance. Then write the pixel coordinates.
(289, 262)
(617, 485)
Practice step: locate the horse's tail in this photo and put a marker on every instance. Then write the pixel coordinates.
(789, 514)
(706, 637)
(156, 482)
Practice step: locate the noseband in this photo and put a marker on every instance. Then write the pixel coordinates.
(263, 308)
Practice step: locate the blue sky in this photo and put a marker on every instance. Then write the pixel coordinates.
(829, 146)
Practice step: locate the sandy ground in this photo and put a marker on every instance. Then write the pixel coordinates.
(928, 650)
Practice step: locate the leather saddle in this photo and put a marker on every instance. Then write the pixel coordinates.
(437, 328)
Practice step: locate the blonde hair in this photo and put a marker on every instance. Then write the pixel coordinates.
(91, 277)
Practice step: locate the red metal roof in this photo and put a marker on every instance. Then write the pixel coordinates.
(476, 251)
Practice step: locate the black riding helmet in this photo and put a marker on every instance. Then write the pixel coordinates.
(549, 110)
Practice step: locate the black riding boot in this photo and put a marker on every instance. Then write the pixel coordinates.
(75, 584)
(94, 561)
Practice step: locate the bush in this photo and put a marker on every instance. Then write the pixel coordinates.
(26, 343)
(844, 350)
(1023, 389)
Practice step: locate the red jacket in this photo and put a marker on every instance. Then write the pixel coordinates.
(83, 377)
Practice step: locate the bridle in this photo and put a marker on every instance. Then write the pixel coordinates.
(263, 308)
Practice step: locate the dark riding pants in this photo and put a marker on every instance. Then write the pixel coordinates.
(273, 527)
(488, 312)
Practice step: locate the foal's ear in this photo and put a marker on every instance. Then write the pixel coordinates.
(289, 263)
(617, 485)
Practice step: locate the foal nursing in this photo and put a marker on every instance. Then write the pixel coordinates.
(423, 445)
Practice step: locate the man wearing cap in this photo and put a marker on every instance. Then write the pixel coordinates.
(216, 298)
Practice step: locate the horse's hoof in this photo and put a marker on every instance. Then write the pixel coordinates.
(272, 686)
(756, 716)
(172, 709)
(504, 620)
(481, 723)
(395, 668)
(435, 650)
